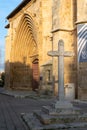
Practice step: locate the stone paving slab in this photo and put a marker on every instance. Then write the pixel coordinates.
(77, 101)
(34, 95)
(9, 120)
(34, 124)
(11, 109)
(8, 114)
(17, 93)
(24, 94)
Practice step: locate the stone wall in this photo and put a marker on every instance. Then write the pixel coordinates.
(81, 11)
(65, 29)
(20, 71)
(82, 81)
(50, 21)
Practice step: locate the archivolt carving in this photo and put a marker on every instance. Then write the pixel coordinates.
(25, 43)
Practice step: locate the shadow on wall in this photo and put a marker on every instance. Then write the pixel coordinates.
(2, 79)
(20, 76)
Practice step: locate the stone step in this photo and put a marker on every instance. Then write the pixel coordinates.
(34, 124)
(52, 111)
(63, 116)
(61, 119)
(43, 117)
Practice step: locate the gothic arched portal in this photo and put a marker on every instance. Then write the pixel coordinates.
(24, 47)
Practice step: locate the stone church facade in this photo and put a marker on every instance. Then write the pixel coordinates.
(35, 27)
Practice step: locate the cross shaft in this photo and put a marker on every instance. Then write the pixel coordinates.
(60, 54)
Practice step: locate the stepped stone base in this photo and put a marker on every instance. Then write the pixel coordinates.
(51, 118)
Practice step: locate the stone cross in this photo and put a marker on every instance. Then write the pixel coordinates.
(60, 54)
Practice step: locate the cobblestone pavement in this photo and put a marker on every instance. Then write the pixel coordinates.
(11, 108)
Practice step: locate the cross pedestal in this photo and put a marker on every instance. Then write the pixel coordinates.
(62, 115)
(61, 103)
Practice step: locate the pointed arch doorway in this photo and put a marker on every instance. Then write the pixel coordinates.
(25, 45)
(35, 74)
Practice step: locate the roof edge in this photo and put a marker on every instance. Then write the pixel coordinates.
(18, 8)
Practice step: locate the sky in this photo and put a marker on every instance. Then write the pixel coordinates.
(6, 7)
